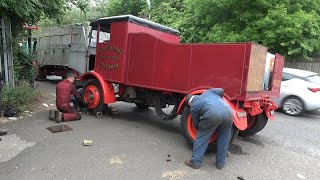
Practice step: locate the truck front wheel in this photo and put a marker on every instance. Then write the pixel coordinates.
(190, 132)
(255, 124)
(93, 95)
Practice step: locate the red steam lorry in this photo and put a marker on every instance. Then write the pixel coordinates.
(151, 68)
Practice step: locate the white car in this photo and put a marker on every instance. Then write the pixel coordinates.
(300, 91)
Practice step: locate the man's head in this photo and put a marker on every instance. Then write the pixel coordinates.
(70, 77)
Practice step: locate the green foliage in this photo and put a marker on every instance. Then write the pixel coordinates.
(75, 15)
(23, 67)
(21, 96)
(32, 10)
(121, 7)
(289, 27)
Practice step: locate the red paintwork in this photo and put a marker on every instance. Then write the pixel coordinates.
(119, 38)
(253, 107)
(251, 120)
(107, 87)
(269, 106)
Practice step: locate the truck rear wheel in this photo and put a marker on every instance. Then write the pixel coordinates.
(255, 124)
(92, 93)
(190, 132)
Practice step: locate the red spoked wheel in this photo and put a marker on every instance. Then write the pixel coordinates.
(93, 95)
(193, 131)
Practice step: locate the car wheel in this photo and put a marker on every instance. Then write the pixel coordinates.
(293, 106)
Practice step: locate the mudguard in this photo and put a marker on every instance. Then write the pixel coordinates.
(107, 87)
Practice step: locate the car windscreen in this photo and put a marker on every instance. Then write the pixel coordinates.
(314, 79)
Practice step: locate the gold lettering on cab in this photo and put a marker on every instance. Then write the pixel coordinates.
(109, 57)
(109, 66)
(110, 48)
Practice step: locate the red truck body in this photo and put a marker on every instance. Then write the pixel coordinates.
(149, 57)
(156, 60)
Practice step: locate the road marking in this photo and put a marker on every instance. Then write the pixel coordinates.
(173, 175)
(301, 176)
(116, 160)
(312, 115)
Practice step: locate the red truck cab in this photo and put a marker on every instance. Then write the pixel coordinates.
(151, 68)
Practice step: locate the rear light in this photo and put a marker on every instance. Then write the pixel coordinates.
(314, 89)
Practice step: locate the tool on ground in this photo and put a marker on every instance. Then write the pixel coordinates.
(168, 158)
(59, 128)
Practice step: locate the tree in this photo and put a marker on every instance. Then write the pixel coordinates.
(30, 11)
(290, 27)
(75, 15)
(122, 7)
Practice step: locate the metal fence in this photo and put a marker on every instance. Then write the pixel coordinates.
(309, 66)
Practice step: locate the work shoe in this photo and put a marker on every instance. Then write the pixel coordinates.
(52, 115)
(190, 164)
(3, 132)
(219, 166)
(59, 116)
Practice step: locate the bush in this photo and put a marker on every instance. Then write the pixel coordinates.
(23, 68)
(22, 96)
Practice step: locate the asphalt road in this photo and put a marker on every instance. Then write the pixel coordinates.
(135, 145)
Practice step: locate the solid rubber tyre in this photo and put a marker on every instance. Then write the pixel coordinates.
(260, 121)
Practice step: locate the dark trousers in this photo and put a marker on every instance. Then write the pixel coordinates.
(69, 113)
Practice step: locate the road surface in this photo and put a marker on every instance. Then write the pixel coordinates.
(136, 144)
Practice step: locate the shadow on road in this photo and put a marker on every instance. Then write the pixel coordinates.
(147, 117)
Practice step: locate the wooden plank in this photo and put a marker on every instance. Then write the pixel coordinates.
(257, 65)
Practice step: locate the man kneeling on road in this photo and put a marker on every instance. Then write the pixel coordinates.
(209, 113)
(64, 90)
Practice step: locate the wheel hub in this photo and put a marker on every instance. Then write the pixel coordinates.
(293, 106)
(92, 96)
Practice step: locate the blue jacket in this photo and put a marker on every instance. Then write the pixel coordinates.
(210, 105)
